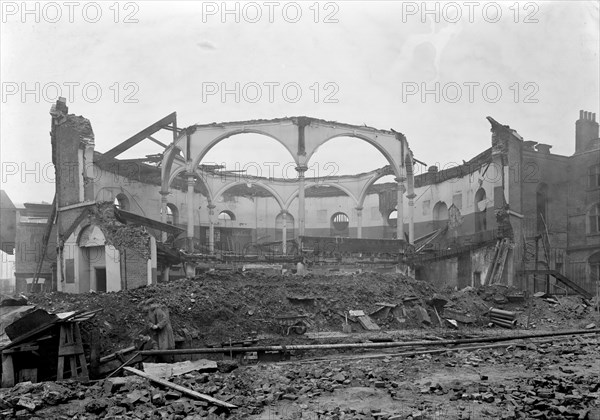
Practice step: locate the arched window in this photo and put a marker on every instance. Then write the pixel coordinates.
(393, 218)
(340, 222)
(480, 210)
(226, 217)
(172, 214)
(594, 219)
(121, 201)
(440, 211)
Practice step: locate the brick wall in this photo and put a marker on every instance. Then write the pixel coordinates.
(134, 269)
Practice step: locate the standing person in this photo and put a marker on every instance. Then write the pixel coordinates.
(160, 327)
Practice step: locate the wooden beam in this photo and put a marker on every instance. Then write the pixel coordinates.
(160, 143)
(135, 139)
(179, 388)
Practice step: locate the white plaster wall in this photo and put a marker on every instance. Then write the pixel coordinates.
(113, 268)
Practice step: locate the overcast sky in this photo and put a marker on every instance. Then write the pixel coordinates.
(126, 66)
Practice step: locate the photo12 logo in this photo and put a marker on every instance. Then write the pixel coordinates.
(472, 11)
(454, 92)
(269, 11)
(91, 92)
(254, 92)
(69, 11)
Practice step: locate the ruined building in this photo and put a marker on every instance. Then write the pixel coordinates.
(514, 214)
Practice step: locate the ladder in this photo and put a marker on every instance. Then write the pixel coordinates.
(494, 274)
(70, 353)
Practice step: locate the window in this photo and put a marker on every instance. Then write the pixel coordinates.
(594, 219)
(440, 211)
(457, 200)
(426, 205)
(340, 221)
(393, 218)
(594, 176)
(121, 201)
(226, 217)
(480, 210)
(172, 214)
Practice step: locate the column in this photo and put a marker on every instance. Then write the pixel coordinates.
(359, 222)
(211, 228)
(284, 233)
(301, 170)
(411, 214)
(163, 212)
(400, 209)
(191, 181)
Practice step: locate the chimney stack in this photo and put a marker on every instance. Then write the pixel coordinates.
(586, 131)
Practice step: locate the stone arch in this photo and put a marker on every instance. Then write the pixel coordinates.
(266, 187)
(205, 149)
(339, 186)
(360, 136)
(381, 173)
(172, 214)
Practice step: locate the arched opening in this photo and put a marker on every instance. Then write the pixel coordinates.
(92, 259)
(480, 210)
(246, 156)
(289, 224)
(541, 207)
(332, 159)
(226, 217)
(440, 214)
(172, 214)
(121, 202)
(340, 223)
(392, 218)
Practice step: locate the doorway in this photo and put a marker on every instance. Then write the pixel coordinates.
(100, 279)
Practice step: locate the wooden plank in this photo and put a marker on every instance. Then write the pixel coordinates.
(367, 323)
(179, 388)
(136, 138)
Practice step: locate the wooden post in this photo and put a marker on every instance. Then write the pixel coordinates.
(8, 371)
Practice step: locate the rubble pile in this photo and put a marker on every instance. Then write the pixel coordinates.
(232, 305)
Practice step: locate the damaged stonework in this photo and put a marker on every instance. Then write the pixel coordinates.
(122, 237)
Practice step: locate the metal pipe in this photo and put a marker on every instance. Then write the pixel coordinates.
(504, 322)
(363, 345)
(502, 314)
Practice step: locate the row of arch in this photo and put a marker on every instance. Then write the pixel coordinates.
(301, 136)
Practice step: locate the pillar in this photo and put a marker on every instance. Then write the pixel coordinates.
(359, 222)
(211, 228)
(284, 233)
(191, 181)
(400, 209)
(301, 212)
(163, 212)
(163, 218)
(411, 216)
